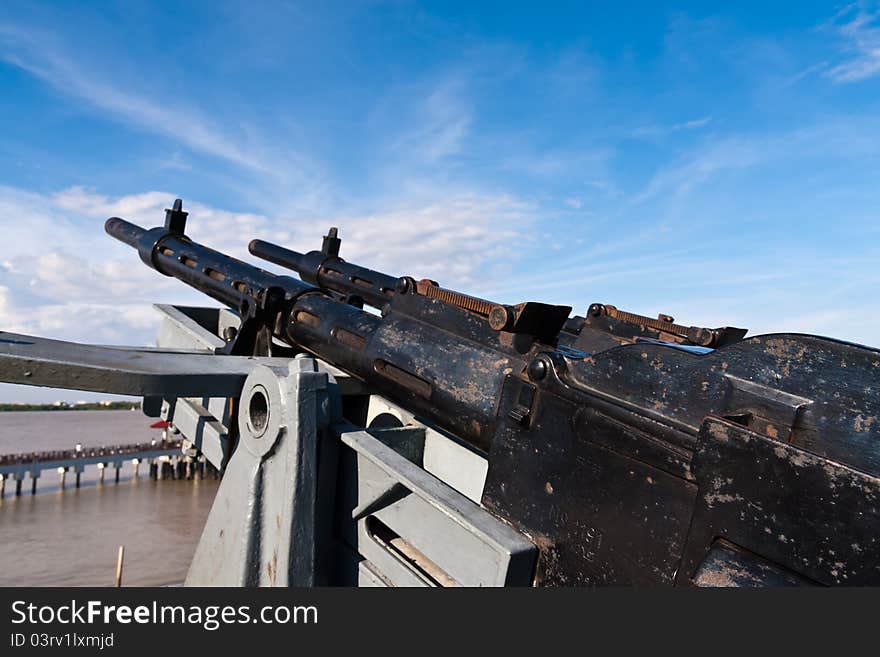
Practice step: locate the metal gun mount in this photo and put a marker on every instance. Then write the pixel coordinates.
(400, 508)
(456, 441)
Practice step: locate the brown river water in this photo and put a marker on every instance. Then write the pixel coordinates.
(71, 537)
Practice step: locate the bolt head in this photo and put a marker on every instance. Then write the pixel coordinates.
(537, 369)
(499, 318)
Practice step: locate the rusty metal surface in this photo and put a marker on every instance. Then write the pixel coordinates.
(644, 405)
(816, 393)
(727, 565)
(601, 515)
(787, 505)
(605, 326)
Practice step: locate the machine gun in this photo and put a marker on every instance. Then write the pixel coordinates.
(610, 449)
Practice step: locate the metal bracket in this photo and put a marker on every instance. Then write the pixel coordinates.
(262, 529)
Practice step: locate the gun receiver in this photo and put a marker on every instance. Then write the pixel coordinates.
(629, 450)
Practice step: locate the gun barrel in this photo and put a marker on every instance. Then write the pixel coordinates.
(330, 272)
(124, 231)
(228, 280)
(282, 257)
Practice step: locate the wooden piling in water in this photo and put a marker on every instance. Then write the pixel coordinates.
(119, 560)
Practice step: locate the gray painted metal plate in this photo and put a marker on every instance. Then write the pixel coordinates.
(428, 534)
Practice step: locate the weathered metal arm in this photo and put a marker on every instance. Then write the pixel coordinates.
(138, 371)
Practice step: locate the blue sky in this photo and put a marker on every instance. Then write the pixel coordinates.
(717, 163)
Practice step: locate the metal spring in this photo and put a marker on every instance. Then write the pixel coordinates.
(473, 304)
(656, 324)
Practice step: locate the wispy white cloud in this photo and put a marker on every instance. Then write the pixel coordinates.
(438, 126)
(42, 57)
(574, 74)
(846, 138)
(63, 278)
(81, 201)
(457, 241)
(269, 157)
(663, 130)
(700, 165)
(219, 228)
(859, 25)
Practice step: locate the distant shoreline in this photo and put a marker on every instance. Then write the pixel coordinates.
(64, 406)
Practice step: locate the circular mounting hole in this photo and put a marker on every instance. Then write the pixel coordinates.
(258, 412)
